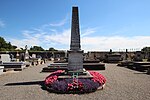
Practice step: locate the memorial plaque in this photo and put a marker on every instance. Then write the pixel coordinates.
(75, 61)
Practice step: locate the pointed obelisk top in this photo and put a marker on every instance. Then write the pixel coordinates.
(75, 31)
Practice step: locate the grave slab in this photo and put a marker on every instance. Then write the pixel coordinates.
(5, 58)
(6, 62)
(1, 69)
(13, 65)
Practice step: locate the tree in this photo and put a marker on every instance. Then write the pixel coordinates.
(14, 47)
(4, 46)
(52, 49)
(2, 42)
(36, 48)
(146, 49)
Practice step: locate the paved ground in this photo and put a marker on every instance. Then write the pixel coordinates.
(122, 84)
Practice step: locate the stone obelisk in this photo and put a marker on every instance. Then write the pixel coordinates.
(75, 57)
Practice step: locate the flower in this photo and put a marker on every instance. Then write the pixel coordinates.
(74, 85)
(97, 77)
(52, 77)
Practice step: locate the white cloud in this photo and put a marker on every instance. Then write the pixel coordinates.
(2, 24)
(45, 36)
(48, 36)
(115, 43)
(44, 39)
(61, 23)
(88, 31)
(31, 38)
(61, 40)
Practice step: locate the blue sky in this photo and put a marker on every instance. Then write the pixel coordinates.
(104, 24)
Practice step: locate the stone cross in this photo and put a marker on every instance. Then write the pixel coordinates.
(26, 57)
(75, 54)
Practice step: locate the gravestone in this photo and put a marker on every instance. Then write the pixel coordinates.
(33, 55)
(26, 56)
(6, 62)
(75, 54)
(138, 56)
(5, 58)
(126, 54)
(17, 57)
(1, 69)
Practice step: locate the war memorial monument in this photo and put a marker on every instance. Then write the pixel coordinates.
(124, 82)
(75, 79)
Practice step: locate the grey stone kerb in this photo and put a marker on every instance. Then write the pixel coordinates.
(75, 58)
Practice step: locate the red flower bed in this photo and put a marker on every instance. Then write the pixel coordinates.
(97, 77)
(52, 77)
(75, 85)
(71, 85)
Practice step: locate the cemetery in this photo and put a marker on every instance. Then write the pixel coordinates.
(9, 63)
(64, 74)
(137, 62)
(113, 58)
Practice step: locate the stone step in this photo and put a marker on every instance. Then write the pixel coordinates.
(87, 75)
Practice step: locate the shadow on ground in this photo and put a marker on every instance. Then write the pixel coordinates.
(41, 83)
(26, 83)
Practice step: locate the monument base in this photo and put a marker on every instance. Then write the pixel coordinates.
(75, 74)
(58, 82)
(75, 60)
(63, 66)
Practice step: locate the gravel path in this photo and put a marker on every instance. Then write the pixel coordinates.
(122, 84)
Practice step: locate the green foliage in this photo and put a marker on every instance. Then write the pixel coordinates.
(4, 46)
(52, 49)
(146, 49)
(36, 48)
